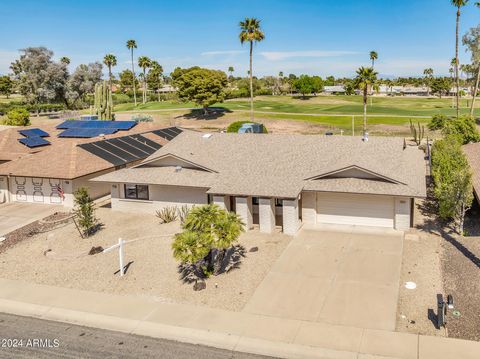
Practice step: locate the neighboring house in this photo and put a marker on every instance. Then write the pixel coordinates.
(279, 180)
(334, 90)
(472, 151)
(50, 173)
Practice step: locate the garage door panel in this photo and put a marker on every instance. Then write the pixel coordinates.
(355, 209)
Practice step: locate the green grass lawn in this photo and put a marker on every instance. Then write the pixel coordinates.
(324, 105)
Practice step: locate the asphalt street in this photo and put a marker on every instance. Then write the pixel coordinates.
(23, 337)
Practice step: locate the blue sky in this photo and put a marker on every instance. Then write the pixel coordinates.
(315, 37)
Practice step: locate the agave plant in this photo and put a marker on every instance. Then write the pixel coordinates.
(167, 214)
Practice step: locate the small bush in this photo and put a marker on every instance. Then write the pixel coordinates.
(142, 118)
(235, 126)
(167, 214)
(464, 129)
(85, 212)
(17, 117)
(120, 98)
(438, 122)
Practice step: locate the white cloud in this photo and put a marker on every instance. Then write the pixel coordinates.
(281, 55)
(223, 52)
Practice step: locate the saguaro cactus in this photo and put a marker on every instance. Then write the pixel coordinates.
(103, 101)
(417, 133)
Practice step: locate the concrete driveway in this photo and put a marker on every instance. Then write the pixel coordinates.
(339, 277)
(16, 215)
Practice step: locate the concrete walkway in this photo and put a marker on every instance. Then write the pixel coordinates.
(16, 215)
(239, 331)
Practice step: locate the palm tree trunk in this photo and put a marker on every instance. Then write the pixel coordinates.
(110, 77)
(475, 90)
(133, 73)
(365, 91)
(456, 63)
(144, 86)
(251, 82)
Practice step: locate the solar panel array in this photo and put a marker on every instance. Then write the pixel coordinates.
(168, 133)
(34, 132)
(32, 142)
(93, 128)
(34, 138)
(122, 150)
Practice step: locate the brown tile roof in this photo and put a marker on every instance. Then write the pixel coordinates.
(472, 151)
(62, 159)
(282, 165)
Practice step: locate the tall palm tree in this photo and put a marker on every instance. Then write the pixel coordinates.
(472, 41)
(373, 57)
(144, 63)
(132, 44)
(110, 61)
(366, 79)
(250, 31)
(458, 4)
(428, 78)
(231, 69)
(65, 60)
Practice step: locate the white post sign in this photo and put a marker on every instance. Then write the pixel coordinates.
(121, 254)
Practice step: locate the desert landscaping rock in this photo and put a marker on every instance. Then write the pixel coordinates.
(152, 270)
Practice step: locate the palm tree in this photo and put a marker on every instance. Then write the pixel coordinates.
(251, 32)
(428, 78)
(472, 41)
(373, 57)
(132, 44)
(144, 63)
(110, 60)
(458, 4)
(65, 60)
(231, 69)
(365, 80)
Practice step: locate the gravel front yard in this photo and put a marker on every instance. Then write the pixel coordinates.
(60, 258)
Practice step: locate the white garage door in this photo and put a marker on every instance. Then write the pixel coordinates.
(36, 190)
(355, 209)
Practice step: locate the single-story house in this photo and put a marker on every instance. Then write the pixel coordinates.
(48, 164)
(334, 90)
(279, 180)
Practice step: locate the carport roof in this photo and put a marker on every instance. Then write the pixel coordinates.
(283, 165)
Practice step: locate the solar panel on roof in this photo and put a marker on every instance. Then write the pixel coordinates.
(86, 132)
(32, 142)
(121, 150)
(99, 152)
(34, 132)
(94, 124)
(168, 133)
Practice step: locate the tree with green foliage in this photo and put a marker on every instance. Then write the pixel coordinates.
(144, 63)
(126, 79)
(458, 4)
(131, 45)
(438, 122)
(440, 86)
(65, 60)
(373, 57)
(17, 117)
(452, 180)
(39, 78)
(231, 70)
(208, 232)
(463, 128)
(365, 81)
(84, 210)
(428, 78)
(202, 86)
(317, 85)
(110, 61)
(6, 86)
(155, 77)
(251, 31)
(472, 41)
(303, 85)
(82, 83)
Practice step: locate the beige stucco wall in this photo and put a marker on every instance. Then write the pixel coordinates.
(244, 208)
(4, 189)
(291, 222)
(266, 215)
(159, 197)
(402, 213)
(309, 209)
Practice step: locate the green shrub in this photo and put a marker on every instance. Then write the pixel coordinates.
(438, 122)
(120, 98)
(17, 117)
(142, 118)
(464, 129)
(235, 126)
(85, 212)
